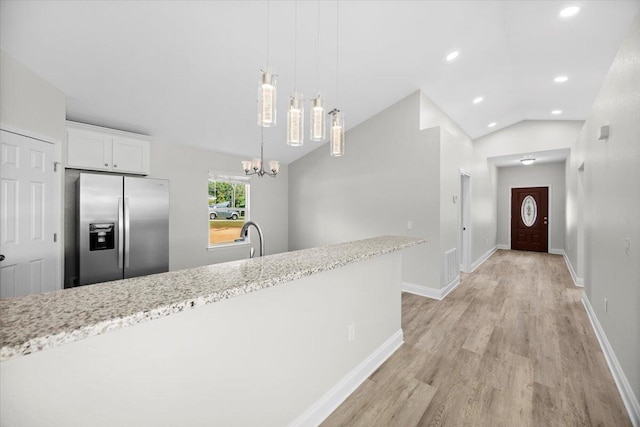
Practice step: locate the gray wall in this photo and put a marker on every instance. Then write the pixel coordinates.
(389, 175)
(550, 175)
(29, 102)
(187, 169)
(611, 202)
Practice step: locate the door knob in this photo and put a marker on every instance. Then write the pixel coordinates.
(1, 257)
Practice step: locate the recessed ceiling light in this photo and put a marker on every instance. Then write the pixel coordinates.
(492, 124)
(477, 100)
(556, 112)
(453, 55)
(568, 12)
(561, 79)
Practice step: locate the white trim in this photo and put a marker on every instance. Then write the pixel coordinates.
(477, 263)
(556, 251)
(110, 131)
(578, 281)
(29, 134)
(423, 291)
(626, 392)
(323, 407)
(503, 247)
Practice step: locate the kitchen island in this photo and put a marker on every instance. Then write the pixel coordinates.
(179, 348)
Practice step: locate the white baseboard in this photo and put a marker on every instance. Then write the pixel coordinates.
(628, 397)
(483, 258)
(503, 247)
(556, 251)
(433, 293)
(578, 281)
(328, 403)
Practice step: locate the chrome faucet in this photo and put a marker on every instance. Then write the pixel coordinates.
(244, 233)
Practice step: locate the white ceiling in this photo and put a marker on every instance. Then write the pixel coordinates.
(187, 72)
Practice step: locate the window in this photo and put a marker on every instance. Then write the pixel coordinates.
(228, 208)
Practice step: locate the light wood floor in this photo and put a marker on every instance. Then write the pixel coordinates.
(510, 346)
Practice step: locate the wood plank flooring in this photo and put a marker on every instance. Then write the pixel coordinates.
(510, 346)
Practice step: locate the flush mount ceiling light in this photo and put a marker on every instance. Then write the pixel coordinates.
(570, 11)
(556, 112)
(491, 124)
(528, 160)
(561, 79)
(453, 55)
(478, 100)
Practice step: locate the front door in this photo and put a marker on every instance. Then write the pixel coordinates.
(530, 219)
(28, 258)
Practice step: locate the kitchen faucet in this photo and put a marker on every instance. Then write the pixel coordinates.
(244, 233)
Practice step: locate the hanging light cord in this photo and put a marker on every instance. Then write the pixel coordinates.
(295, 51)
(318, 75)
(268, 27)
(337, 56)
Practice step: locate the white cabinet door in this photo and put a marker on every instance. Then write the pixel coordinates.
(130, 155)
(26, 217)
(88, 150)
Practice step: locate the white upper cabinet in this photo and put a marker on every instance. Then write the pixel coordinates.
(97, 148)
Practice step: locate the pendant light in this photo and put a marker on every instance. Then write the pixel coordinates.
(267, 90)
(336, 135)
(295, 115)
(257, 165)
(317, 113)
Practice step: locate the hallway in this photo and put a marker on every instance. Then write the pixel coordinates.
(511, 346)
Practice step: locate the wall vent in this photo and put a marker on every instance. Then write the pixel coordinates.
(451, 265)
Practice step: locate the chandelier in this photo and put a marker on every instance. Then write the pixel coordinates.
(257, 165)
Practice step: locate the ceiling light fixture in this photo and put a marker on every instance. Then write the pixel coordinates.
(317, 116)
(453, 55)
(492, 124)
(570, 11)
(267, 90)
(478, 100)
(257, 165)
(336, 136)
(528, 160)
(295, 115)
(561, 79)
(556, 112)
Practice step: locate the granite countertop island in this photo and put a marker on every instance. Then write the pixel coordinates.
(37, 322)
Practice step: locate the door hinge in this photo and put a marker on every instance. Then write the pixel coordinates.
(55, 166)
(55, 237)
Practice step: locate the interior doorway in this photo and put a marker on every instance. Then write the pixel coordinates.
(530, 219)
(465, 221)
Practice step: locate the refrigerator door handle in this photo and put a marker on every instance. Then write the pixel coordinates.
(120, 232)
(127, 235)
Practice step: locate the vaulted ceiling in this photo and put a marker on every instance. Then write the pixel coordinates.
(187, 72)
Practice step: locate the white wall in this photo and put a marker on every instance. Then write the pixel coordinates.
(550, 175)
(187, 169)
(30, 103)
(611, 181)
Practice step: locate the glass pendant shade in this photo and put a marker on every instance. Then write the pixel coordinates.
(318, 121)
(267, 100)
(256, 164)
(246, 165)
(337, 135)
(274, 166)
(295, 121)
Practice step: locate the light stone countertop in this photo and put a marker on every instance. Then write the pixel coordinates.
(36, 322)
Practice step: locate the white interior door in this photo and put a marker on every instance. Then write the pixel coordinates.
(465, 222)
(26, 217)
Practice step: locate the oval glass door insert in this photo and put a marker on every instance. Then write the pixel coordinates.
(529, 211)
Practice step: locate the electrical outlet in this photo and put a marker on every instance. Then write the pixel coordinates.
(352, 332)
(606, 305)
(409, 225)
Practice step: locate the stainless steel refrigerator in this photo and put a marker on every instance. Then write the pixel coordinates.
(123, 227)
